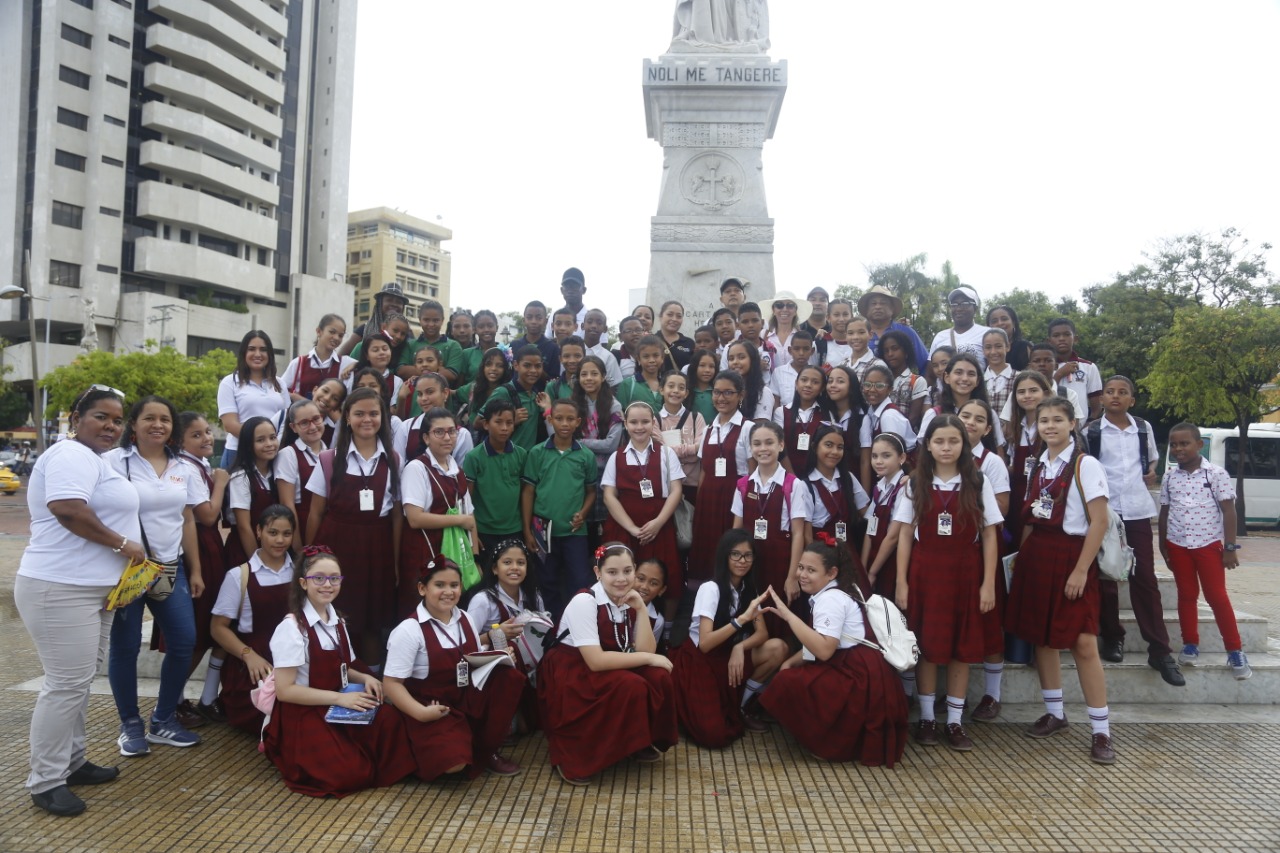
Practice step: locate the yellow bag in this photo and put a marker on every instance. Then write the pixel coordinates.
(134, 583)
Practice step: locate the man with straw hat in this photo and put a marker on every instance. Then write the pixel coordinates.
(880, 306)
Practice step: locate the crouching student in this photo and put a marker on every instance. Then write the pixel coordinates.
(252, 601)
(837, 697)
(452, 724)
(728, 657)
(315, 662)
(604, 693)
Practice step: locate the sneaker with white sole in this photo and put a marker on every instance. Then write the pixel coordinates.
(170, 732)
(133, 739)
(1190, 655)
(1239, 665)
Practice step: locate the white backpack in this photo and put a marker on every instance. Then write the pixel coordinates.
(1115, 556)
(897, 641)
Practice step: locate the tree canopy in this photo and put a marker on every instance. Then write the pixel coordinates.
(189, 383)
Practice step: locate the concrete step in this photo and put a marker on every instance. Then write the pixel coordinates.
(149, 662)
(1168, 592)
(1133, 682)
(1253, 632)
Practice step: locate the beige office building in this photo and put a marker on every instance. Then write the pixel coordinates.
(385, 245)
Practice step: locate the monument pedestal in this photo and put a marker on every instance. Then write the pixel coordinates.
(712, 113)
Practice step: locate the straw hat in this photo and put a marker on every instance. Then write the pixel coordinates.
(879, 290)
(803, 308)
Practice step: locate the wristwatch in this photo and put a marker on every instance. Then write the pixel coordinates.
(1233, 546)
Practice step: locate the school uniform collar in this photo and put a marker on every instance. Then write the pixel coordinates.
(632, 451)
(602, 599)
(734, 420)
(508, 600)
(816, 476)
(450, 470)
(488, 447)
(1074, 356)
(196, 460)
(301, 446)
(256, 565)
(550, 444)
(880, 409)
(313, 617)
(423, 616)
(666, 414)
(1007, 373)
(884, 484)
(829, 585)
(952, 484)
(1056, 465)
(779, 477)
(867, 355)
(354, 457)
(1131, 428)
(316, 361)
(806, 415)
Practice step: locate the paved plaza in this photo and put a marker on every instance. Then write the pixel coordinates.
(1189, 777)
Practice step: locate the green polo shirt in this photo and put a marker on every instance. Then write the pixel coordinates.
(559, 389)
(560, 480)
(450, 353)
(471, 358)
(634, 388)
(495, 481)
(526, 434)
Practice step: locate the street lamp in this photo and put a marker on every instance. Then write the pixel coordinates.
(11, 291)
(506, 331)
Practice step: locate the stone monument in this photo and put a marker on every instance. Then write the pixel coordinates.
(711, 101)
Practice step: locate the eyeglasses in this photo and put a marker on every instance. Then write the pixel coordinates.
(444, 432)
(875, 386)
(324, 580)
(720, 392)
(742, 556)
(309, 422)
(108, 389)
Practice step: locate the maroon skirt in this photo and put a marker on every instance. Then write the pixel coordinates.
(367, 555)
(324, 759)
(708, 708)
(595, 719)
(471, 732)
(848, 708)
(712, 516)
(213, 569)
(234, 693)
(1039, 610)
(416, 551)
(943, 598)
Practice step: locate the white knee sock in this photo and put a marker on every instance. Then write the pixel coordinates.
(926, 706)
(1053, 703)
(211, 681)
(955, 708)
(753, 687)
(1100, 720)
(994, 673)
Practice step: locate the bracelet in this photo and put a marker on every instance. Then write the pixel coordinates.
(737, 626)
(123, 542)
(246, 651)
(1232, 546)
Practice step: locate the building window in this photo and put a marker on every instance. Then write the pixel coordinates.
(112, 161)
(217, 244)
(433, 291)
(108, 211)
(67, 160)
(88, 4)
(72, 119)
(124, 3)
(70, 215)
(355, 258)
(366, 254)
(184, 236)
(113, 120)
(263, 260)
(363, 308)
(351, 231)
(107, 269)
(74, 77)
(118, 40)
(399, 256)
(370, 230)
(64, 274)
(116, 81)
(366, 280)
(80, 37)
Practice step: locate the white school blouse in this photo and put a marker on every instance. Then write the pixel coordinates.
(416, 486)
(289, 645)
(705, 604)
(819, 516)
(799, 506)
(905, 509)
(1093, 477)
(228, 603)
(669, 466)
(357, 466)
(717, 432)
(838, 616)
(407, 648)
(580, 618)
(286, 467)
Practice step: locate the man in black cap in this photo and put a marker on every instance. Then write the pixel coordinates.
(389, 300)
(965, 335)
(572, 285)
(733, 292)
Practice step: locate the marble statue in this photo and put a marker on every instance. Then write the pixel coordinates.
(721, 26)
(89, 329)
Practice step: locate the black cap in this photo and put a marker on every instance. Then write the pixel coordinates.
(573, 275)
(733, 282)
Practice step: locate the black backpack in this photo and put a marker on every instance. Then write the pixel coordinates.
(1093, 437)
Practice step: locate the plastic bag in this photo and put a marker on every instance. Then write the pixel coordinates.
(456, 545)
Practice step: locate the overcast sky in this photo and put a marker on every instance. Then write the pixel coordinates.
(1034, 145)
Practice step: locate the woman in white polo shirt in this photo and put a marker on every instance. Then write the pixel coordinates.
(168, 487)
(84, 531)
(252, 390)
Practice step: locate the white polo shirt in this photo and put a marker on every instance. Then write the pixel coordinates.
(161, 498)
(250, 400)
(838, 616)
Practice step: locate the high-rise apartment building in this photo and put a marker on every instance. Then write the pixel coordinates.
(385, 245)
(176, 170)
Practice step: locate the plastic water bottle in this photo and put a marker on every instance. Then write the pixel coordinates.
(497, 638)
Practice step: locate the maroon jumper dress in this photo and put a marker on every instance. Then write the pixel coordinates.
(1039, 610)
(792, 429)
(302, 509)
(709, 708)
(419, 547)
(774, 551)
(269, 604)
(642, 510)
(529, 697)
(261, 496)
(596, 719)
(322, 759)
(213, 569)
(361, 540)
(1022, 455)
(478, 719)
(713, 514)
(944, 585)
(849, 707)
(882, 503)
(307, 377)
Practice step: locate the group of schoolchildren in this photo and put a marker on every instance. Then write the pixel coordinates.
(676, 533)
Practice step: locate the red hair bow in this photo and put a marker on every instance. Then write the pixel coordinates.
(826, 538)
(313, 550)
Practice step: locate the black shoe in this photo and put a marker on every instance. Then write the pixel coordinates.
(1111, 650)
(59, 801)
(1168, 669)
(91, 774)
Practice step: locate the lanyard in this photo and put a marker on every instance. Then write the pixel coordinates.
(946, 504)
(887, 494)
(443, 632)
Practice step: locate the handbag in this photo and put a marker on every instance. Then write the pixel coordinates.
(133, 584)
(1115, 557)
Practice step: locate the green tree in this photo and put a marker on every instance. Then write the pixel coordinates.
(1212, 368)
(924, 297)
(1034, 309)
(189, 383)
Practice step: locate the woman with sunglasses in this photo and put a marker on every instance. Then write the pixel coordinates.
(84, 532)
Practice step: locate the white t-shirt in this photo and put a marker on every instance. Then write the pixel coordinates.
(580, 618)
(289, 645)
(286, 467)
(228, 603)
(71, 471)
(705, 603)
(838, 616)
(407, 648)
(905, 509)
(837, 354)
(797, 508)
(670, 466)
(717, 432)
(161, 499)
(969, 341)
(250, 400)
(357, 466)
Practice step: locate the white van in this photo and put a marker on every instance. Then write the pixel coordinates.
(1261, 471)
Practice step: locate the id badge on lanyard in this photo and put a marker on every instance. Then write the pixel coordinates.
(944, 524)
(1042, 507)
(464, 673)
(646, 488)
(722, 466)
(762, 528)
(366, 500)
(342, 671)
(873, 524)
(841, 532)
(802, 441)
